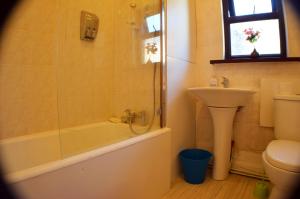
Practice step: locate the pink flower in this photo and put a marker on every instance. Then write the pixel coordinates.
(251, 35)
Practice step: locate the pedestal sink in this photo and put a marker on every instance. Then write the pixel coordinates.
(222, 104)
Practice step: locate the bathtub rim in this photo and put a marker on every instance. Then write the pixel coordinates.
(85, 126)
(12, 140)
(43, 134)
(25, 174)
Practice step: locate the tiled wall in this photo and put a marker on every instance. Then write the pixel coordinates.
(49, 78)
(182, 73)
(250, 138)
(85, 70)
(28, 66)
(133, 80)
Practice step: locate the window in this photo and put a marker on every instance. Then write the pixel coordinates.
(152, 51)
(153, 23)
(254, 24)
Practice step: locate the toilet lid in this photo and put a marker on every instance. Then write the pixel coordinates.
(284, 154)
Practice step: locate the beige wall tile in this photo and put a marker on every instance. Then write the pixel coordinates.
(133, 86)
(16, 48)
(37, 43)
(28, 100)
(95, 80)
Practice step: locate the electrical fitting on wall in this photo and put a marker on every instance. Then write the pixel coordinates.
(88, 26)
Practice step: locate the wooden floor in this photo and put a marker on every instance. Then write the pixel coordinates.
(234, 187)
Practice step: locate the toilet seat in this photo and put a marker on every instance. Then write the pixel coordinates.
(284, 154)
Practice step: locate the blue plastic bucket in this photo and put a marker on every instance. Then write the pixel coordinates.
(194, 163)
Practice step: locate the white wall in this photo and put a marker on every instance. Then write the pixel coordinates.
(181, 74)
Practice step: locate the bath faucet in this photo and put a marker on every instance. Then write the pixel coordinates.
(225, 82)
(128, 116)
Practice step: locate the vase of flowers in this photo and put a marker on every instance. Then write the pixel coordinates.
(252, 36)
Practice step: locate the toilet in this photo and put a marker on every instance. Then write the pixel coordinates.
(281, 158)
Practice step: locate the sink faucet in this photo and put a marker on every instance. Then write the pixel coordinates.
(225, 82)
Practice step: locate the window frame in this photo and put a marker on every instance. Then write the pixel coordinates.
(277, 13)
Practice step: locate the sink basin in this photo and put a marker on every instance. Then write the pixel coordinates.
(222, 97)
(222, 104)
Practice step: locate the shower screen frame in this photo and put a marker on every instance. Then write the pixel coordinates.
(163, 74)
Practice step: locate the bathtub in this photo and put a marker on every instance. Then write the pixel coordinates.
(101, 160)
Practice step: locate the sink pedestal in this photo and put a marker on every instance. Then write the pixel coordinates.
(223, 122)
(222, 104)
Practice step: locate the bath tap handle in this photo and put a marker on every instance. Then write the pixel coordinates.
(128, 116)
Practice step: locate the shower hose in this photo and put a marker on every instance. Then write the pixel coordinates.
(153, 112)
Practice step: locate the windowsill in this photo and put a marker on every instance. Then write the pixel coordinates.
(248, 60)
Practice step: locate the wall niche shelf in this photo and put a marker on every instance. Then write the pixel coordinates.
(250, 60)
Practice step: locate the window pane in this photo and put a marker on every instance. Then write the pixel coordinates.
(267, 43)
(153, 23)
(152, 50)
(249, 7)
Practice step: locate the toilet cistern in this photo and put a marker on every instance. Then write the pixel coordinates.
(222, 104)
(281, 158)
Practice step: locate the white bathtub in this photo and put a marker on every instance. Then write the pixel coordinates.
(137, 167)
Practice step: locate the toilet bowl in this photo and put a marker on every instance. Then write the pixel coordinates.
(281, 161)
(281, 158)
